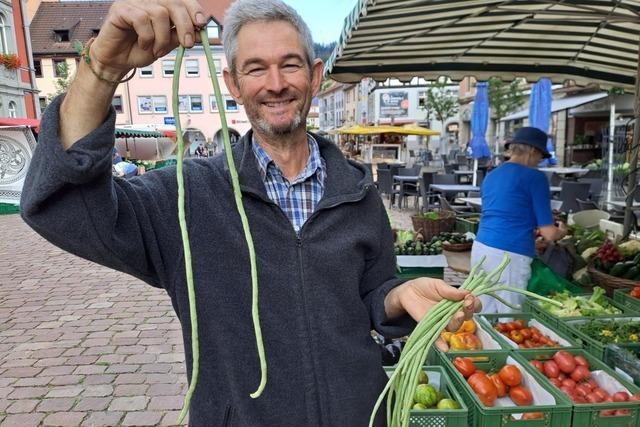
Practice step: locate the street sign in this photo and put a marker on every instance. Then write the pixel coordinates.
(169, 120)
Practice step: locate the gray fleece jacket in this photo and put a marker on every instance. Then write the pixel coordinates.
(320, 292)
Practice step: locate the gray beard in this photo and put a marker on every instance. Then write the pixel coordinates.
(267, 129)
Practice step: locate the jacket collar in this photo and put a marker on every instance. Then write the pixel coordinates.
(344, 181)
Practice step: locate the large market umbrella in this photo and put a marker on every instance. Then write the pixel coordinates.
(479, 120)
(540, 113)
(588, 42)
(401, 130)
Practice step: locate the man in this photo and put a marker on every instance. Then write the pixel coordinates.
(322, 236)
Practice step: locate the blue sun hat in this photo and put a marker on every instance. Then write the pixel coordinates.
(533, 137)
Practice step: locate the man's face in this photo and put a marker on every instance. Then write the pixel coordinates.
(273, 79)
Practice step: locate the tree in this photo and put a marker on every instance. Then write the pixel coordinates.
(442, 101)
(62, 82)
(504, 98)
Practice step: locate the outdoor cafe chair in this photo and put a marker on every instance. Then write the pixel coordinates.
(595, 187)
(569, 192)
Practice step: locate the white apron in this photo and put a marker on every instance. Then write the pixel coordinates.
(516, 275)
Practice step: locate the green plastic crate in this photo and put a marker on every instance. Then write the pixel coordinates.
(555, 415)
(622, 297)
(8, 209)
(625, 360)
(560, 322)
(464, 225)
(489, 320)
(410, 271)
(439, 378)
(588, 414)
(593, 346)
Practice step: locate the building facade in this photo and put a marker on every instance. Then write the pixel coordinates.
(17, 83)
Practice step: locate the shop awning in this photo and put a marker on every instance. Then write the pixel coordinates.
(14, 121)
(136, 133)
(595, 41)
(560, 104)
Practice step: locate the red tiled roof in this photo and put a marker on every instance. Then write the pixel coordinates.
(80, 18)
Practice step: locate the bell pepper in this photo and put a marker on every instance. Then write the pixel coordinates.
(446, 336)
(464, 341)
(467, 326)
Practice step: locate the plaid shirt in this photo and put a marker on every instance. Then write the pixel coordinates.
(297, 199)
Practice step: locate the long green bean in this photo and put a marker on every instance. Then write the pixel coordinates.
(195, 349)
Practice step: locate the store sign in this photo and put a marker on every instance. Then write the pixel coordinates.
(394, 104)
(169, 120)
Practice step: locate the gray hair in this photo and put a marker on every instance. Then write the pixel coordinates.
(243, 12)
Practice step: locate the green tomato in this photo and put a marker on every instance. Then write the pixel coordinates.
(419, 406)
(423, 378)
(426, 394)
(448, 404)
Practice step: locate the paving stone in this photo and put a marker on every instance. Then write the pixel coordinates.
(122, 369)
(98, 379)
(31, 382)
(58, 370)
(144, 418)
(130, 379)
(89, 370)
(64, 419)
(92, 404)
(161, 379)
(67, 380)
(171, 419)
(156, 368)
(23, 420)
(82, 360)
(54, 361)
(139, 358)
(103, 419)
(109, 359)
(101, 390)
(28, 392)
(22, 406)
(19, 363)
(164, 403)
(134, 403)
(69, 391)
(130, 390)
(56, 404)
(23, 372)
(164, 390)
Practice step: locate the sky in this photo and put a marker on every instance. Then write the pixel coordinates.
(324, 17)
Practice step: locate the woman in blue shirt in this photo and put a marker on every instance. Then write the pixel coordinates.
(515, 205)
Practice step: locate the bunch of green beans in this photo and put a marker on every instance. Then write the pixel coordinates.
(400, 388)
(195, 349)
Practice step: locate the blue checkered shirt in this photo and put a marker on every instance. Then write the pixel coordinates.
(297, 199)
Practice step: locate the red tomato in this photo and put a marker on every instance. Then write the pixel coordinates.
(551, 369)
(465, 366)
(607, 412)
(510, 375)
(501, 387)
(516, 336)
(520, 324)
(594, 398)
(520, 395)
(562, 376)
(582, 389)
(567, 390)
(634, 397)
(483, 388)
(526, 333)
(538, 365)
(556, 382)
(565, 361)
(569, 383)
(600, 393)
(580, 373)
(622, 412)
(621, 396)
(581, 361)
(532, 416)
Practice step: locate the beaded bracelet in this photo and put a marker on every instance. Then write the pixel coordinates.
(84, 54)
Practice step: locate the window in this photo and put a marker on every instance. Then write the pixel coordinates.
(43, 102)
(213, 105)
(37, 65)
(230, 104)
(160, 104)
(117, 104)
(422, 99)
(95, 32)
(192, 68)
(61, 35)
(218, 64)
(3, 34)
(196, 103)
(213, 30)
(146, 71)
(13, 111)
(60, 68)
(167, 67)
(190, 104)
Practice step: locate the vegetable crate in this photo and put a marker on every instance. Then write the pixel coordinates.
(555, 407)
(468, 224)
(625, 360)
(559, 323)
(439, 417)
(622, 297)
(588, 414)
(488, 321)
(413, 266)
(8, 208)
(597, 347)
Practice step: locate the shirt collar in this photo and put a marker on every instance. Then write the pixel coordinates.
(265, 162)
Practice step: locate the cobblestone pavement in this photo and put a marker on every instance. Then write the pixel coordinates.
(82, 345)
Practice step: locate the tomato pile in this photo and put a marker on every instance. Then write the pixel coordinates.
(635, 292)
(523, 335)
(572, 375)
(426, 396)
(464, 338)
(489, 387)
